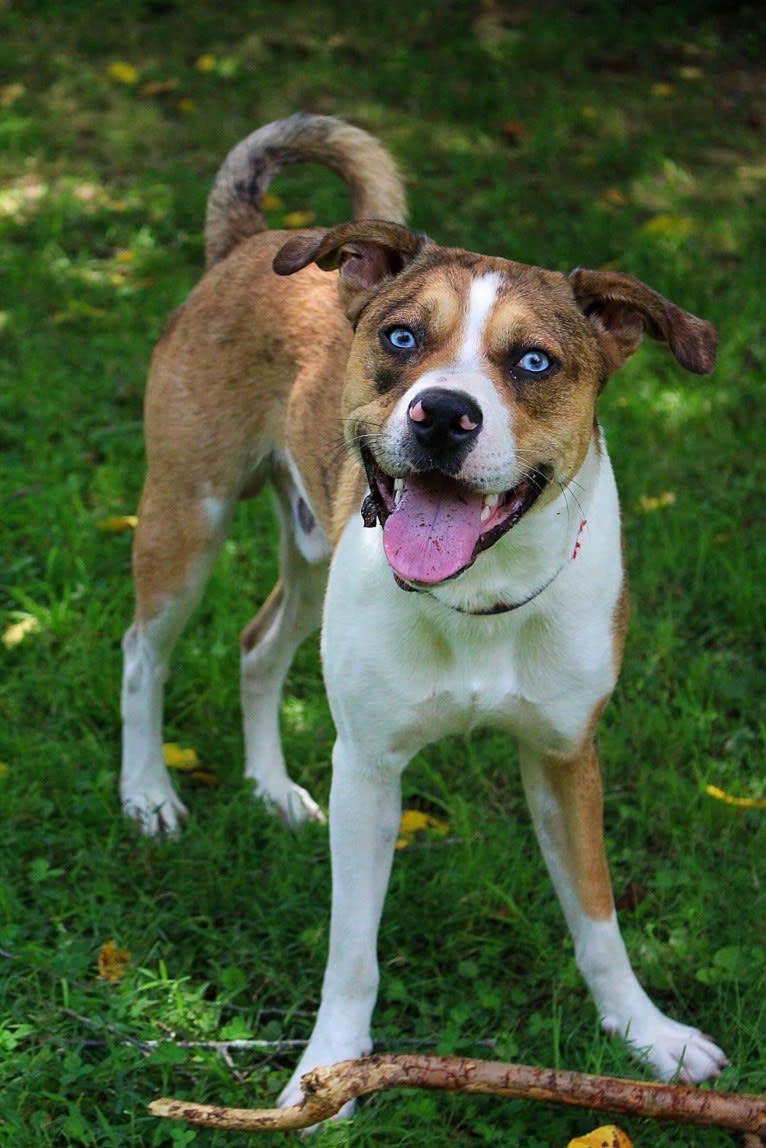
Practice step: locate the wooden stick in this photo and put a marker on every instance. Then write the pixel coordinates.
(326, 1090)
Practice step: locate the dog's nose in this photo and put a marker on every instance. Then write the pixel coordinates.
(442, 419)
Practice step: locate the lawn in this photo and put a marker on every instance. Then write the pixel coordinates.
(600, 134)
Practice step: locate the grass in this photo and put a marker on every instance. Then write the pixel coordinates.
(593, 134)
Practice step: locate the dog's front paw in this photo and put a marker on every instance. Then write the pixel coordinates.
(293, 804)
(674, 1051)
(317, 1054)
(159, 813)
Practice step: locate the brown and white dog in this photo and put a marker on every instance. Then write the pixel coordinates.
(472, 531)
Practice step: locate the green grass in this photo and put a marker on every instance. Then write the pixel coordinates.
(101, 207)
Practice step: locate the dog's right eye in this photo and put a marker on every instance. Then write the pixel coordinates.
(399, 339)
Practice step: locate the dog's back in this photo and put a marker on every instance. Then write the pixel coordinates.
(249, 361)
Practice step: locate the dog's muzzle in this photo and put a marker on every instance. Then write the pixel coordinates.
(434, 526)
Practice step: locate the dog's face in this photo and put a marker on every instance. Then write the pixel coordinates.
(472, 382)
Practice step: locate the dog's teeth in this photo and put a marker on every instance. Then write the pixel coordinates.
(485, 513)
(398, 485)
(491, 501)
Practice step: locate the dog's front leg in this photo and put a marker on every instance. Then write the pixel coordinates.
(565, 800)
(365, 811)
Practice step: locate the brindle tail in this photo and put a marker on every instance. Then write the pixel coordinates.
(234, 206)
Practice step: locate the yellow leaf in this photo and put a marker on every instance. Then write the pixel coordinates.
(662, 91)
(729, 799)
(668, 226)
(298, 219)
(206, 63)
(118, 523)
(649, 502)
(271, 201)
(16, 633)
(690, 72)
(415, 822)
(112, 962)
(186, 106)
(4, 769)
(10, 93)
(122, 73)
(177, 758)
(607, 1136)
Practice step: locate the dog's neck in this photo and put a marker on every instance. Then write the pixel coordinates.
(503, 607)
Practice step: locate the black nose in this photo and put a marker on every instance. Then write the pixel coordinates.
(441, 419)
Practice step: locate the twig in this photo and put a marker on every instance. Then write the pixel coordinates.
(241, 1044)
(326, 1090)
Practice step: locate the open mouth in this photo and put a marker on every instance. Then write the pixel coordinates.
(434, 527)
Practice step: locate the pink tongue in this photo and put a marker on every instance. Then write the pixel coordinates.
(433, 532)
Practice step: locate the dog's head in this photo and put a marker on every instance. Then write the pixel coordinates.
(472, 381)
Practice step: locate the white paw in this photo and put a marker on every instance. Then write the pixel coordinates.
(317, 1054)
(674, 1051)
(293, 804)
(159, 812)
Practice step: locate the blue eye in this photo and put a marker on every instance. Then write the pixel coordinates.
(535, 362)
(401, 338)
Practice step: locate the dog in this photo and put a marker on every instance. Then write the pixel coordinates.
(470, 525)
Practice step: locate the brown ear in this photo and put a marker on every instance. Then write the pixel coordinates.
(622, 308)
(367, 253)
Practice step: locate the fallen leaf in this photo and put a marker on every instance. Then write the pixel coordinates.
(613, 197)
(112, 962)
(662, 91)
(118, 523)
(650, 502)
(4, 769)
(186, 106)
(607, 1136)
(159, 88)
(177, 758)
(10, 93)
(16, 633)
(122, 73)
(206, 63)
(729, 799)
(668, 226)
(271, 201)
(298, 219)
(205, 777)
(513, 132)
(634, 894)
(414, 822)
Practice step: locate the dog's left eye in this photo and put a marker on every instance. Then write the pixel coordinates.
(535, 362)
(400, 338)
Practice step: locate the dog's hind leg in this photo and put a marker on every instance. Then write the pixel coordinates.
(288, 616)
(565, 800)
(178, 537)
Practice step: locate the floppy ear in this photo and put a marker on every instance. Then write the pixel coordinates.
(622, 308)
(367, 253)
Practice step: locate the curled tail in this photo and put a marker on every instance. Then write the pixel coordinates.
(234, 206)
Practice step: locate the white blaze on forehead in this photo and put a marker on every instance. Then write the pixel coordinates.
(481, 302)
(492, 463)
